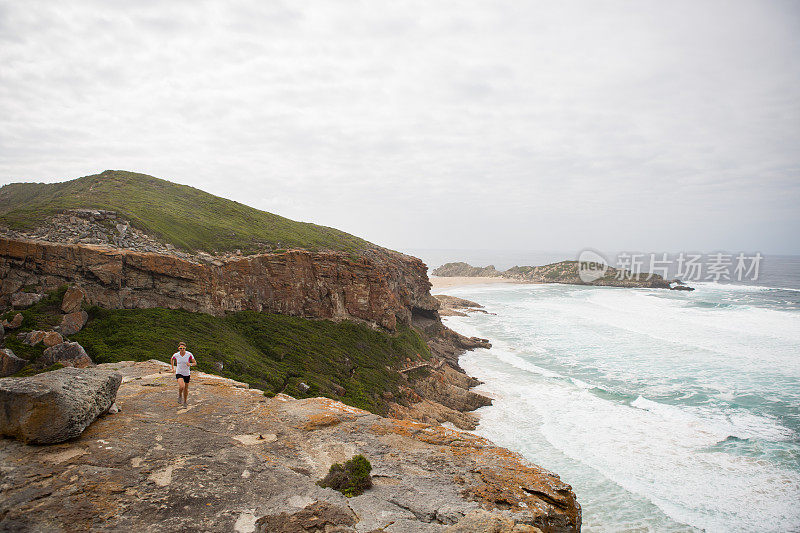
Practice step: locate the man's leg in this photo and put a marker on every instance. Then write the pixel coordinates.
(185, 392)
(181, 388)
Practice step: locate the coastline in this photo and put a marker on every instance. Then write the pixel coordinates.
(439, 283)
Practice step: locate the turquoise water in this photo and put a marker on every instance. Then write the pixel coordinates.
(665, 410)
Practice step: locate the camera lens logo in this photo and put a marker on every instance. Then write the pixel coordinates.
(591, 266)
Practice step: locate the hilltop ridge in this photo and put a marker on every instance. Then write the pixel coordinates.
(181, 215)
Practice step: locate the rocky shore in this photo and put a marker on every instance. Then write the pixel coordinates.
(234, 460)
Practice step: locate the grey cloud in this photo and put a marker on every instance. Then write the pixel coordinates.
(422, 125)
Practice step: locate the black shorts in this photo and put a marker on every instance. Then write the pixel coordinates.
(185, 378)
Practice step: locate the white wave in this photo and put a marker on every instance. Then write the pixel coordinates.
(650, 451)
(737, 287)
(720, 425)
(665, 454)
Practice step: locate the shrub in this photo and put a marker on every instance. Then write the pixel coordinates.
(30, 370)
(351, 479)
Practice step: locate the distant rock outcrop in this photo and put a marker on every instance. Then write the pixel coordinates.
(55, 406)
(450, 270)
(564, 272)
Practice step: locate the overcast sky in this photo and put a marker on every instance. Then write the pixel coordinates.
(650, 126)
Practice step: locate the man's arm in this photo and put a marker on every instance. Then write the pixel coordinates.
(192, 362)
(172, 364)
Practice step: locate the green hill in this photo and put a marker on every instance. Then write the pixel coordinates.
(186, 217)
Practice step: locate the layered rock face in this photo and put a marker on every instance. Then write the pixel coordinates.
(234, 460)
(381, 287)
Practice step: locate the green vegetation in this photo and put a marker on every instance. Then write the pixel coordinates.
(341, 360)
(31, 370)
(44, 316)
(351, 479)
(181, 215)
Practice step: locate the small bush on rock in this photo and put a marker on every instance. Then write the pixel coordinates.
(351, 479)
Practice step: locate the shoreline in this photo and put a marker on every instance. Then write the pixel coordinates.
(439, 283)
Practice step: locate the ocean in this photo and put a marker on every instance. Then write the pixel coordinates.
(665, 410)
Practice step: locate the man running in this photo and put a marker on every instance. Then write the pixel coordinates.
(182, 360)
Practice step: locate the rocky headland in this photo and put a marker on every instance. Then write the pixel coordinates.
(564, 272)
(78, 273)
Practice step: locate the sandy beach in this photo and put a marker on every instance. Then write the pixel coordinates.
(456, 281)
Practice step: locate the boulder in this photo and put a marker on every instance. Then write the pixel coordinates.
(32, 338)
(480, 521)
(319, 517)
(55, 406)
(72, 300)
(72, 323)
(52, 338)
(15, 322)
(66, 353)
(21, 300)
(10, 363)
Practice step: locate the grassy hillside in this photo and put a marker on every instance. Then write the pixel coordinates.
(181, 215)
(345, 361)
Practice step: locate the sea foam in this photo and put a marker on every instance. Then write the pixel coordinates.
(662, 414)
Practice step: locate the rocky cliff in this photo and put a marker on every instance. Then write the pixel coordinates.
(380, 287)
(234, 460)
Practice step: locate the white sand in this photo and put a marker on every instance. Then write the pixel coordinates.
(456, 281)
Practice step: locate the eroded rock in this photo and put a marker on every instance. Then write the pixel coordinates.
(15, 322)
(318, 517)
(72, 300)
(67, 353)
(55, 406)
(32, 338)
(52, 338)
(72, 323)
(10, 363)
(22, 300)
(382, 287)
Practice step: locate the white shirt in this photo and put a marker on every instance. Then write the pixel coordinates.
(182, 362)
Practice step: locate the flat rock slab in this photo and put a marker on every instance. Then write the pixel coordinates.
(236, 461)
(55, 406)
